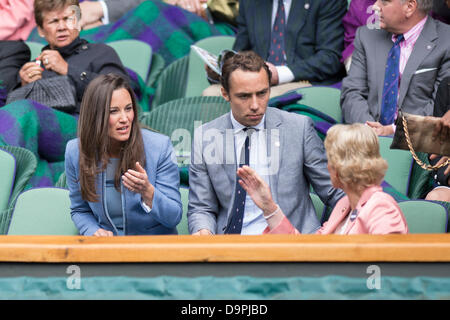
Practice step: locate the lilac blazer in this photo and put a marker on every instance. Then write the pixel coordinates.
(378, 213)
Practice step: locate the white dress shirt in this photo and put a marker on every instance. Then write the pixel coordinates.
(254, 222)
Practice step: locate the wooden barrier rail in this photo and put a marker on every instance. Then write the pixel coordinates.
(229, 248)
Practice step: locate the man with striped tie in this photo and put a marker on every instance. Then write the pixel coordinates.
(282, 147)
(396, 66)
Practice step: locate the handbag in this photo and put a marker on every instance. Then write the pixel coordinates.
(414, 133)
(55, 92)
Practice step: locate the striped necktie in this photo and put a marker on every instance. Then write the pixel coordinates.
(277, 53)
(391, 83)
(237, 213)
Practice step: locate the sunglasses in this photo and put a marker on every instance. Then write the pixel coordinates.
(223, 56)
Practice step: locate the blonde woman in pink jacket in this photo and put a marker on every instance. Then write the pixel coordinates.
(355, 166)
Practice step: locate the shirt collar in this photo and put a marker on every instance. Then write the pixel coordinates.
(367, 193)
(237, 127)
(412, 34)
(68, 50)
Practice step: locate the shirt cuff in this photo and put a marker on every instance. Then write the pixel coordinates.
(285, 74)
(105, 19)
(146, 208)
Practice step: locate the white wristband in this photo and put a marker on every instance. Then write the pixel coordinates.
(273, 213)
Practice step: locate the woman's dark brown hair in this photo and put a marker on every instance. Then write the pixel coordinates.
(94, 141)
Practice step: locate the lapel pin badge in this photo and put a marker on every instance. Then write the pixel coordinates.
(306, 6)
(429, 47)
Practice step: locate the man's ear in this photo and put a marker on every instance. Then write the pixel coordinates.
(411, 7)
(225, 94)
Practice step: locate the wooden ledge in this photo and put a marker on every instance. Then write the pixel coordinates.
(229, 248)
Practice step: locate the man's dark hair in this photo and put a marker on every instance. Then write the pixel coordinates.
(246, 61)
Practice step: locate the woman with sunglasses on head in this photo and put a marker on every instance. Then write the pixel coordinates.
(123, 179)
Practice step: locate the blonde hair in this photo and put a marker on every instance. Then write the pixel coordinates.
(354, 152)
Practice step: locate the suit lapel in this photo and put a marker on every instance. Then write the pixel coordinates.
(276, 138)
(423, 46)
(263, 26)
(229, 164)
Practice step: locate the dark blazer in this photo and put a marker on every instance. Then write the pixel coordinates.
(13, 55)
(86, 61)
(314, 37)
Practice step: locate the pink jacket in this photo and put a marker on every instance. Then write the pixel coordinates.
(378, 213)
(16, 19)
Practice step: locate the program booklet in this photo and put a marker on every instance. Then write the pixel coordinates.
(210, 59)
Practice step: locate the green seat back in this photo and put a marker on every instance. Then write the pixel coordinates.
(399, 162)
(26, 164)
(196, 76)
(156, 68)
(178, 119)
(171, 84)
(7, 172)
(42, 211)
(424, 216)
(180, 116)
(324, 99)
(35, 48)
(62, 181)
(183, 225)
(135, 55)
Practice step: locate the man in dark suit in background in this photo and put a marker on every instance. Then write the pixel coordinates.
(301, 39)
(282, 147)
(13, 55)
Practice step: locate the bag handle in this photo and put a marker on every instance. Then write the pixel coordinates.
(413, 153)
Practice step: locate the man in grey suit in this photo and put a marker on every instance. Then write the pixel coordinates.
(285, 150)
(424, 61)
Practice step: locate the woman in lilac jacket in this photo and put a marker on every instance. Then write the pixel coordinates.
(355, 166)
(123, 180)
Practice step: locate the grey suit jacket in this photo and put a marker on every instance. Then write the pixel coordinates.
(428, 64)
(297, 160)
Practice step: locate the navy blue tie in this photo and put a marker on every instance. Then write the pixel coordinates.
(235, 224)
(391, 81)
(277, 54)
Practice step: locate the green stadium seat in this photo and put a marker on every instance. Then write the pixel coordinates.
(42, 211)
(135, 55)
(7, 173)
(424, 216)
(183, 225)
